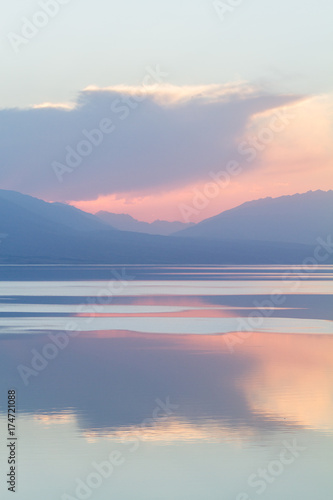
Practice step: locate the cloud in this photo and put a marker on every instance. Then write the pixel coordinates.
(138, 140)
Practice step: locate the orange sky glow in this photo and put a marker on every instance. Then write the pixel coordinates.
(294, 160)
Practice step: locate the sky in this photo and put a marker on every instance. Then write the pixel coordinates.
(165, 110)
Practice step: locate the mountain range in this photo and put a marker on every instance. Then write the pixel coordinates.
(281, 230)
(300, 218)
(126, 222)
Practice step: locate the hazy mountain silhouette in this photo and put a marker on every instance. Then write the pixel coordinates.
(34, 231)
(42, 212)
(126, 222)
(300, 218)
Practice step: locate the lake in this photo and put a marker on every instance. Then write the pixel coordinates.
(168, 382)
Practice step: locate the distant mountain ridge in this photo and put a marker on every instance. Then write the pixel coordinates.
(299, 218)
(57, 213)
(125, 222)
(33, 231)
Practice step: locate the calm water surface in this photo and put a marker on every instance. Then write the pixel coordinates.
(168, 383)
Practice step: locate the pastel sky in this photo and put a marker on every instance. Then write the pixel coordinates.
(173, 110)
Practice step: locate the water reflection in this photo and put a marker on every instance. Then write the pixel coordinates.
(191, 417)
(112, 381)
